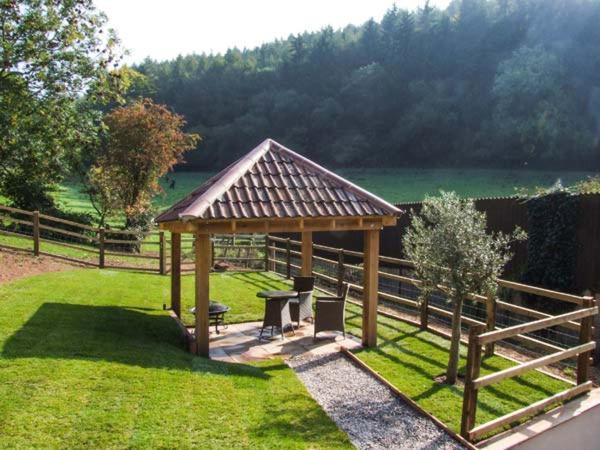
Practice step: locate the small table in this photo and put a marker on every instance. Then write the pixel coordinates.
(277, 310)
(216, 314)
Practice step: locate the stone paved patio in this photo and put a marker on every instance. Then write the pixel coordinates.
(239, 343)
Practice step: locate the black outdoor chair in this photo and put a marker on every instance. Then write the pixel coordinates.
(331, 312)
(301, 307)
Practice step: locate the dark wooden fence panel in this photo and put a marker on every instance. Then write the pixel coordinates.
(503, 214)
(588, 239)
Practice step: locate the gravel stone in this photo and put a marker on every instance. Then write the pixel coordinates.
(371, 415)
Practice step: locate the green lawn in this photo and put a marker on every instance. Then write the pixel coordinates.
(394, 185)
(88, 356)
(88, 359)
(411, 359)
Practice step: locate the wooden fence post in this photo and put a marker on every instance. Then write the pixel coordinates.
(341, 271)
(424, 307)
(288, 259)
(101, 247)
(585, 335)
(36, 233)
(596, 331)
(161, 253)
(490, 307)
(469, 408)
(266, 252)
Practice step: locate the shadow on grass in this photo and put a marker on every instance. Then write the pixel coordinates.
(392, 351)
(109, 333)
(257, 279)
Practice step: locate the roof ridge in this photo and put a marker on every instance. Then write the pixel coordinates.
(228, 179)
(346, 183)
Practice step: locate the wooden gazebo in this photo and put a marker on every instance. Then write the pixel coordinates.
(272, 190)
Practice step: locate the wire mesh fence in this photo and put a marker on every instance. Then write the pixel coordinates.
(398, 291)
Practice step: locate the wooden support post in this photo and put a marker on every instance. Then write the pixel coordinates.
(585, 335)
(371, 285)
(341, 271)
(212, 253)
(307, 253)
(288, 259)
(596, 332)
(202, 293)
(36, 233)
(101, 245)
(176, 273)
(490, 322)
(266, 252)
(162, 263)
(469, 408)
(424, 307)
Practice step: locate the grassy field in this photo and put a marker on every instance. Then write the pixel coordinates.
(394, 185)
(88, 359)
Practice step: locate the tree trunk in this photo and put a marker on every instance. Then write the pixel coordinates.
(452, 370)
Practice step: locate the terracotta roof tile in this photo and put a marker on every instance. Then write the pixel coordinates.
(274, 182)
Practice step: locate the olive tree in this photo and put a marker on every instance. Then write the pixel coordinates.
(454, 254)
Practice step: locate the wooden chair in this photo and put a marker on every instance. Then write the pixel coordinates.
(330, 312)
(301, 308)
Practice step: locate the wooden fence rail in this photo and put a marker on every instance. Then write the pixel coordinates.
(481, 333)
(99, 247)
(281, 256)
(478, 336)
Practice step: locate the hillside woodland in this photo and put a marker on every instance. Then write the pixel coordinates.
(498, 83)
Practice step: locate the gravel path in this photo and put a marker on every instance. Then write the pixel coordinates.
(371, 415)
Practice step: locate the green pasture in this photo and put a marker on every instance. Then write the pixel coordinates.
(394, 185)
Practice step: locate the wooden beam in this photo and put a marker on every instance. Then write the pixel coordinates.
(541, 291)
(493, 336)
(469, 408)
(585, 336)
(36, 233)
(279, 225)
(202, 293)
(533, 364)
(307, 253)
(176, 273)
(529, 410)
(371, 285)
(177, 226)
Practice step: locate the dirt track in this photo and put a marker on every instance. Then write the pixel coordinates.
(14, 265)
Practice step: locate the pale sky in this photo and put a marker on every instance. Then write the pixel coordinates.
(163, 29)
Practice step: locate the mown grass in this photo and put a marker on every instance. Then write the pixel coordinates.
(411, 359)
(394, 185)
(85, 314)
(88, 359)
(85, 253)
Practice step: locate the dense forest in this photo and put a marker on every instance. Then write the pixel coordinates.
(494, 83)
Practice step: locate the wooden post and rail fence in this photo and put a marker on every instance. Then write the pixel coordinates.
(110, 248)
(281, 257)
(479, 336)
(482, 335)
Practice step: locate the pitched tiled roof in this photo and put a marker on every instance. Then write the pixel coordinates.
(272, 181)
